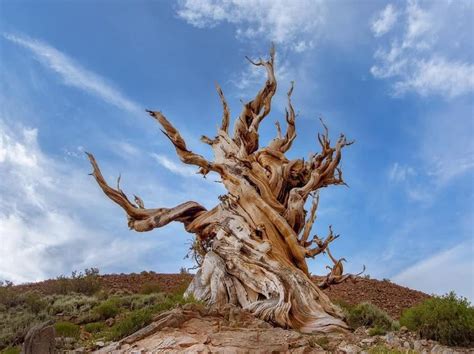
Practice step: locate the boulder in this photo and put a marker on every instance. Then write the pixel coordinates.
(40, 339)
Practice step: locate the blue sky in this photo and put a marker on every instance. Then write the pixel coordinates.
(398, 77)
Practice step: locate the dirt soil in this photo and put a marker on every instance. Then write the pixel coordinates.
(388, 296)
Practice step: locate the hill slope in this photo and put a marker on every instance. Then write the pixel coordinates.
(390, 297)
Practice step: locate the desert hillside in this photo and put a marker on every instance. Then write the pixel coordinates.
(388, 296)
(89, 312)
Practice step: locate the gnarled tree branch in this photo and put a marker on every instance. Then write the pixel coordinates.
(187, 156)
(139, 218)
(225, 108)
(246, 126)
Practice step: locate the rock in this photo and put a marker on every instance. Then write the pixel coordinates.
(342, 344)
(198, 348)
(368, 341)
(40, 339)
(406, 345)
(417, 345)
(99, 344)
(349, 348)
(392, 340)
(437, 349)
(403, 329)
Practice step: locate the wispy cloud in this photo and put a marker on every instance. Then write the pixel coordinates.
(420, 59)
(293, 24)
(73, 73)
(399, 173)
(385, 21)
(454, 269)
(43, 233)
(252, 77)
(170, 165)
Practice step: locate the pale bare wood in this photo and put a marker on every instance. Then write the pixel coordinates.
(248, 247)
(225, 108)
(139, 218)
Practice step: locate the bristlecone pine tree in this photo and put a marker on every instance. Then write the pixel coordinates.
(251, 248)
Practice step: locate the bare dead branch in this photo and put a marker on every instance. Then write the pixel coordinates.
(187, 156)
(246, 126)
(139, 218)
(322, 246)
(225, 107)
(309, 223)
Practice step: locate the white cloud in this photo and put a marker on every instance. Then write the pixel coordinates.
(385, 21)
(423, 58)
(437, 75)
(419, 22)
(254, 76)
(294, 24)
(179, 169)
(73, 74)
(447, 147)
(45, 213)
(448, 270)
(444, 154)
(399, 173)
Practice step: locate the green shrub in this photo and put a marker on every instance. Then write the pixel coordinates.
(142, 301)
(447, 319)
(8, 296)
(107, 309)
(11, 350)
(94, 327)
(150, 287)
(343, 305)
(15, 323)
(34, 301)
(72, 305)
(368, 315)
(131, 323)
(67, 329)
(87, 283)
(377, 331)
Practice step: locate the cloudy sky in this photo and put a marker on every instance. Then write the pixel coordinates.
(398, 77)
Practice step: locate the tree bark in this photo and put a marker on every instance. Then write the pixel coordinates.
(251, 248)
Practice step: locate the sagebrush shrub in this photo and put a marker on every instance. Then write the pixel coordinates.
(8, 296)
(368, 315)
(34, 302)
(73, 305)
(107, 309)
(67, 329)
(87, 283)
(447, 319)
(376, 331)
(94, 327)
(150, 288)
(131, 323)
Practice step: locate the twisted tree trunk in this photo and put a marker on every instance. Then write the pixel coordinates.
(252, 247)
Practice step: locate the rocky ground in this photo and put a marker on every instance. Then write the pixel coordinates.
(195, 329)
